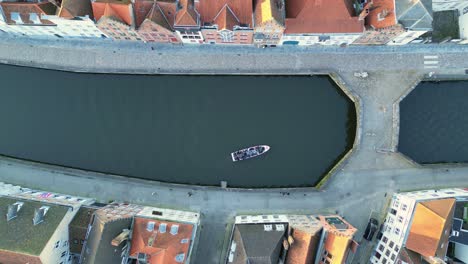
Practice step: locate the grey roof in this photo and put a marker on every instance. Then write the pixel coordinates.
(98, 248)
(446, 24)
(257, 246)
(20, 235)
(414, 14)
(78, 226)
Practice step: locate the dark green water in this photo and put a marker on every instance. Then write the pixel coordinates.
(177, 128)
(434, 123)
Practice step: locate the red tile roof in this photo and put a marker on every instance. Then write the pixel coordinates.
(142, 9)
(227, 13)
(74, 8)
(187, 15)
(382, 14)
(24, 9)
(321, 16)
(160, 247)
(118, 9)
(226, 19)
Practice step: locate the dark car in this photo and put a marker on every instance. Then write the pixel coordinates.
(370, 229)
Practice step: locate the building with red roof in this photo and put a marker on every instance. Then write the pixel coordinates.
(226, 21)
(157, 25)
(331, 22)
(116, 18)
(163, 236)
(187, 22)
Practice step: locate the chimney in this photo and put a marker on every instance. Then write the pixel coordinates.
(13, 210)
(142, 258)
(39, 214)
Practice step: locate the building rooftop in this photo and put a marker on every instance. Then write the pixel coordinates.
(269, 10)
(306, 232)
(75, 8)
(142, 9)
(161, 241)
(27, 13)
(431, 227)
(382, 14)
(78, 227)
(20, 234)
(107, 224)
(317, 16)
(257, 243)
(186, 15)
(118, 9)
(414, 14)
(226, 13)
(162, 14)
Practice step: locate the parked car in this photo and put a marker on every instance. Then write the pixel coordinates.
(371, 228)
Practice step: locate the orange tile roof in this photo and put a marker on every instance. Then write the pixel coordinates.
(160, 247)
(241, 10)
(226, 19)
(432, 221)
(382, 14)
(118, 9)
(26, 8)
(160, 15)
(187, 15)
(304, 247)
(321, 16)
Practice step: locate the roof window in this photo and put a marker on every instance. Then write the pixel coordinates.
(180, 257)
(13, 210)
(174, 230)
(39, 214)
(150, 226)
(162, 228)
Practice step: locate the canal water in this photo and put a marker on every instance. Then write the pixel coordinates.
(178, 129)
(434, 123)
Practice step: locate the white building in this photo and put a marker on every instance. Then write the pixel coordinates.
(461, 6)
(7, 189)
(401, 219)
(53, 26)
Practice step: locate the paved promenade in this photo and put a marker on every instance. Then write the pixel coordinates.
(359, 185)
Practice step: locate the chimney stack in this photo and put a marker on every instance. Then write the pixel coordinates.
(39, 214)
(13, 210)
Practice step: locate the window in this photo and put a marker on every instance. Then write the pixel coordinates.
(400, 219)
(404, 207)
(393, 257)
(390, 220)
(396, 204)
(384, 261)
(63, 254)
(393, 212)
(57, 244)
(381, 247)
(385, 239)
(397, 231)
(377, 255)
(387, 253)
(391, 244)
(396, 249)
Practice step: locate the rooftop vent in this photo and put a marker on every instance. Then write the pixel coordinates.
(150, 226)
(13, 210)
(156, 213)
(39, 214)
(267, 227)
(174, 230)
(142, 258)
